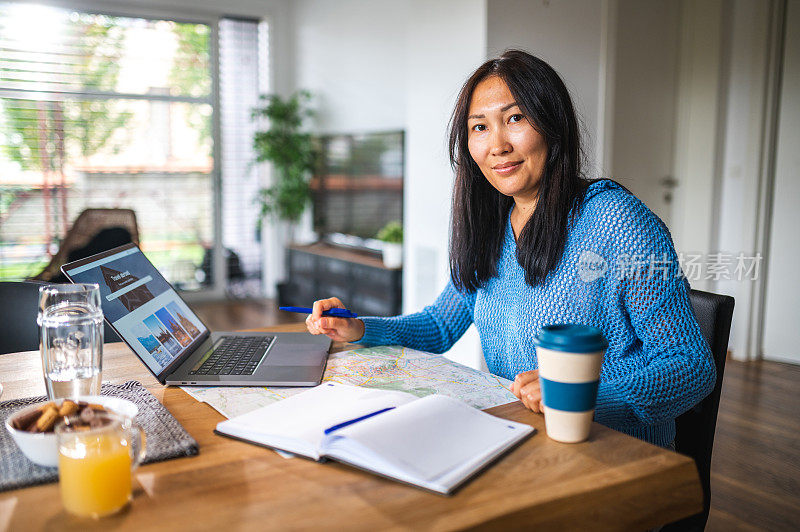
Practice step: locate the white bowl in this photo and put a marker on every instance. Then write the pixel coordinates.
(41, 448)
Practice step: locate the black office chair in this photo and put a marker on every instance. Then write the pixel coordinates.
(695, 429)
(19, 305)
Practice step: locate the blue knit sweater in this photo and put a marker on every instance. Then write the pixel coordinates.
(620, 273)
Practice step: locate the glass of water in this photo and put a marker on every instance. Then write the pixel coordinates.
(71, 325)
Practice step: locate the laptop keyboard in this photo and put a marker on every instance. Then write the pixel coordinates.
(235, 355)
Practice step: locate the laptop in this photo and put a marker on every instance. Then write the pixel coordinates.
(176, 346)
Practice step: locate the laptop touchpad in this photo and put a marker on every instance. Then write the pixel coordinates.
(287, 354)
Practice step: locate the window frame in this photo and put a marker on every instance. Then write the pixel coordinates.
(217, 289)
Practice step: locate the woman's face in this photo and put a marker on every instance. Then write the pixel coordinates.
(505, 146)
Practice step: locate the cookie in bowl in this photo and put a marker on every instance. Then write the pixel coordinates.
(32, 427)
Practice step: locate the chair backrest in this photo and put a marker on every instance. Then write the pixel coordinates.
(19, 305)
(85, 228)
(695, 428)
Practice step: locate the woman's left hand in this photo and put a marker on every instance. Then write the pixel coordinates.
(526, 388)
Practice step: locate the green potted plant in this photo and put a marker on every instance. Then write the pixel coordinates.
(392, 237)
(291, 152)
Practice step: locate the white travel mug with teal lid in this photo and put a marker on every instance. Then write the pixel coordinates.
(570, 357)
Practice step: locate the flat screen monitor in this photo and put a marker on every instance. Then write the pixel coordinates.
(357, 186)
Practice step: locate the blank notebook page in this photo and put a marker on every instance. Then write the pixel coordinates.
(308, 414)
(433, 435)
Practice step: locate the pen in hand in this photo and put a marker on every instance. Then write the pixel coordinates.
(334, 312)
(337, 328)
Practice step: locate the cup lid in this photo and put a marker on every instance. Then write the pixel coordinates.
(571, 337)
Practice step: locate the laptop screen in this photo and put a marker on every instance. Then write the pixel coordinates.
(141, 305)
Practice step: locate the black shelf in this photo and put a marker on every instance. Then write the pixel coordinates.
(358, 278)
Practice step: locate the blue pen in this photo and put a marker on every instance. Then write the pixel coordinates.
(335, 312)
(356, 420)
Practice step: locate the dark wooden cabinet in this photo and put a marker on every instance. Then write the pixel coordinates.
(358, 278)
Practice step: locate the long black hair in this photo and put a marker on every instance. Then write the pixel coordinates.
(480, 212)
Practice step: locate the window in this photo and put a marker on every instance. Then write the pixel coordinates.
(108, 111)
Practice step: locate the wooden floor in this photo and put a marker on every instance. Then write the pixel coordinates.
(243, 314)
(755, 482)
(755, 468)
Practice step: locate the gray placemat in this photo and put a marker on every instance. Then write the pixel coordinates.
(166, 438)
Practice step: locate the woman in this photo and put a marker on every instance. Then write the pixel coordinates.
(532, 243)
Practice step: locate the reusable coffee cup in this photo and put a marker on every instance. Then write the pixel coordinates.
(570, 357)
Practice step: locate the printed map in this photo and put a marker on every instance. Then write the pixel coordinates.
(385, 368)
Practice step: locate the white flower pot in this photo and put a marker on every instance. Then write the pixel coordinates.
(392, 255)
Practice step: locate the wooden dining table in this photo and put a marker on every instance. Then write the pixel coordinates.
(610, 482)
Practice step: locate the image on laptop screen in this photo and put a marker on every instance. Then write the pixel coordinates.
(142, 306)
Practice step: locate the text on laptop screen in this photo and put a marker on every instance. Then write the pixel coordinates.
(142, 306)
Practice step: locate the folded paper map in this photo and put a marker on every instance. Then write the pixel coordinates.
(385, 368)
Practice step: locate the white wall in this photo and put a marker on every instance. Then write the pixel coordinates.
(567, 35)
(351, 54)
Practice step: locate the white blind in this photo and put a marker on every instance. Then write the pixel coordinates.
(240, 75)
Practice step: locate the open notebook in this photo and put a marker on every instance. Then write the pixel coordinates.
(435, 443)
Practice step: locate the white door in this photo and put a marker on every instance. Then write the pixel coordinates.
(643, 113)
(782, 308)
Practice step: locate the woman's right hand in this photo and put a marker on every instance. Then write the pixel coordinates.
(337, 329)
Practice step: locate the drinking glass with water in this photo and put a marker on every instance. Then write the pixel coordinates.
(71, 322)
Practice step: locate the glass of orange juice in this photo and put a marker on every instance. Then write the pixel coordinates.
(96, 463)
